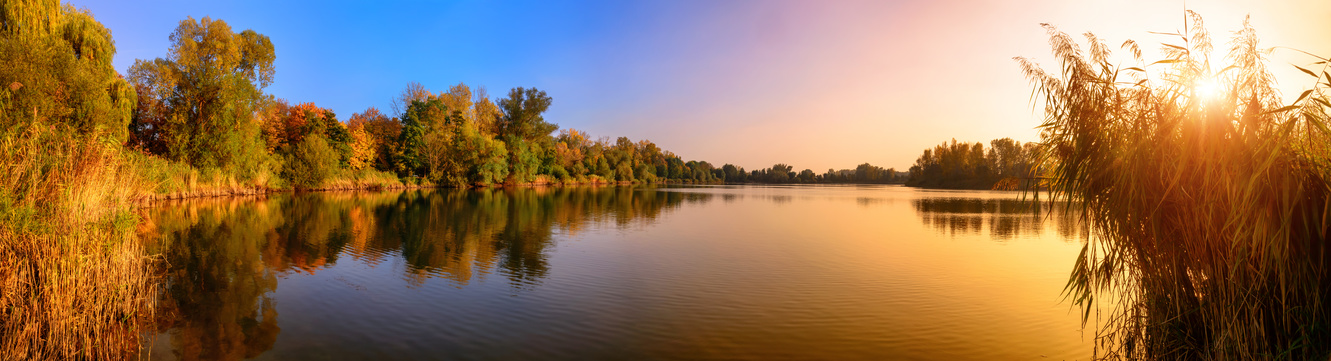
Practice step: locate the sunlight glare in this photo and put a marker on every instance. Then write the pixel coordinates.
(1206, 89)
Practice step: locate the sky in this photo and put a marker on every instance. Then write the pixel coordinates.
(812, 84)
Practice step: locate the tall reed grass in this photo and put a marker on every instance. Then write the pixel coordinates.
(1207, 199)
(74, 281)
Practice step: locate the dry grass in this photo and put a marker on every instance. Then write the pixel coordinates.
(74, 281)
(165, 179)
(1209, 211)
(362, 179)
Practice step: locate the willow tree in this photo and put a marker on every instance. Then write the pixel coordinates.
(57, 70)
(1208, 199)
(197, 105)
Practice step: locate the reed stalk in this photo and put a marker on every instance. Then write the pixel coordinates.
(1207, 199)
(74, 280)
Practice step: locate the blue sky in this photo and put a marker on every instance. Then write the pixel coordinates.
(815, 84)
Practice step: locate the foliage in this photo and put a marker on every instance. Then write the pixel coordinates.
(311, 162)
(522, 159)
(198, 104)
(522, 114)
(57, 70)
(1208, 211)
(383, 132)
(968, 165)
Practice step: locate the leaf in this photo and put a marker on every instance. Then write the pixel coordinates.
(1177, 47)
(1310, 72)
(1166, 61)
(1304, 95)
(1135, 68)
(1323, 101)
(1282, 109)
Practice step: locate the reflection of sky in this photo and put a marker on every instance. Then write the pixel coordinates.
(694, 272)
(814, 84)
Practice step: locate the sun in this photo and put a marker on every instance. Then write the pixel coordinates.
(1206, 89)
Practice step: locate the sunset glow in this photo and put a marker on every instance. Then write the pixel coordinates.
(665, 180)
(814, 84)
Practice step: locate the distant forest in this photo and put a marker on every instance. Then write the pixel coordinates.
(1005, 165)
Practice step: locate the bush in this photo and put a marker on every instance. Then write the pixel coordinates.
(310, 163)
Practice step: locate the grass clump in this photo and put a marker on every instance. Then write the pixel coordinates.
(1207, 199)
(74, 281)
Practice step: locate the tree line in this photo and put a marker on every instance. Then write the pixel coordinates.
(203, 105)
(969, 165)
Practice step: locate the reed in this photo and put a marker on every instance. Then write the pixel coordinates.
(1207, 199)
(74, 281)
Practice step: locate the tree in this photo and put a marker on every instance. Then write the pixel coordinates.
(199, 102)
(806, 176)
(383, 132)
(55, 66)
(310, 162)
(522, 160)
(779, 173)
(522, 115)
(363, 149)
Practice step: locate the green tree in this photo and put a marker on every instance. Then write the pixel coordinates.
(522, 159)
(200, 101)
(522, 117)
(311, 162)
(55, 65)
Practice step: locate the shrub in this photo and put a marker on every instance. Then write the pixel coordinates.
(310, 163)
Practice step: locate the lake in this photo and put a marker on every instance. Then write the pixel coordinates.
(628, 273)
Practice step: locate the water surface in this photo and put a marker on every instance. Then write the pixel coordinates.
(662, 273)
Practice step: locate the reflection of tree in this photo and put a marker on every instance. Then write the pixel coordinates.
(315, 230)
(216, 303)
(460, 234)
(1004, 218)
(224, 256)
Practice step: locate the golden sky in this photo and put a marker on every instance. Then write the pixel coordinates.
(836, 83)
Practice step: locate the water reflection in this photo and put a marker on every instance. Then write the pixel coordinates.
(224, 257)
(998, 218)
(216, 302)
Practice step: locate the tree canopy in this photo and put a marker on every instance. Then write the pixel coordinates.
(197, 104)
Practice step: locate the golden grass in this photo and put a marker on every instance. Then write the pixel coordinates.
(1209, 212)
(362, 179)
(165, 179)
(74, 281)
